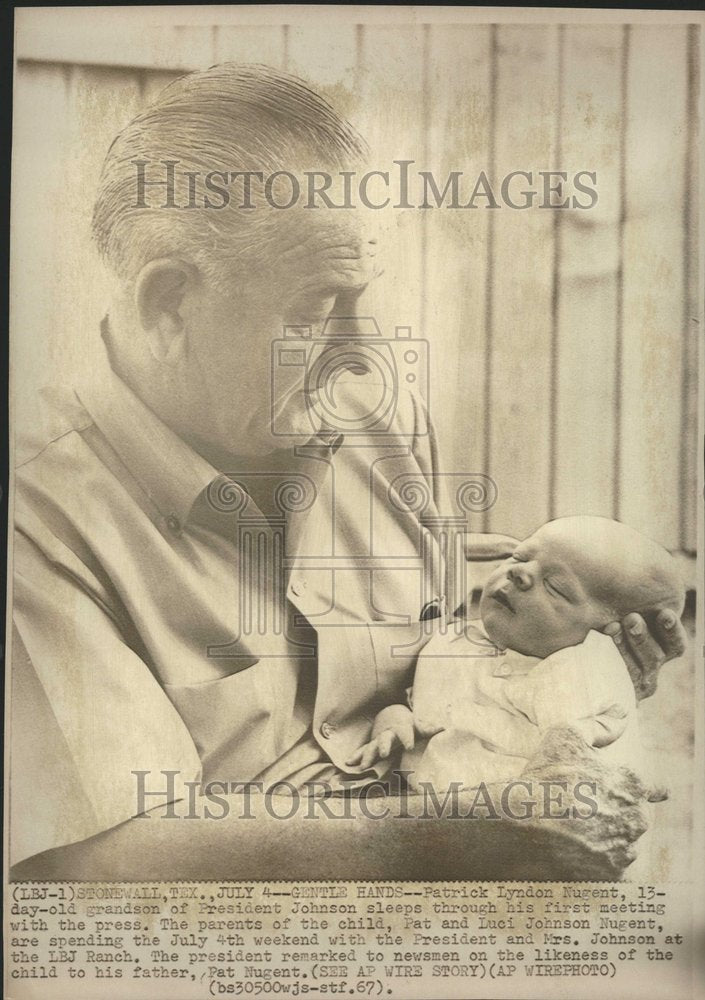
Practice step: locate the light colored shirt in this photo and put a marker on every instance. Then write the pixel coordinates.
(152, 630)
(493, 706)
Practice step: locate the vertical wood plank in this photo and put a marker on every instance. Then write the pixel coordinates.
(153, 83)
(588, 265)
(326, 55)
(519, 356)
(691, 295)
(653, 281)
(39, 158)
(456, 243)
(391, 88)
(249, 44)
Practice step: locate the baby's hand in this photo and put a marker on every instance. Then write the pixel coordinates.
(393, 727)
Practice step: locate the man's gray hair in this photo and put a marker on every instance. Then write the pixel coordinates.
(227, 118)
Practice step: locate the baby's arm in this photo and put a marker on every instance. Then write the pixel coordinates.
(443, 670)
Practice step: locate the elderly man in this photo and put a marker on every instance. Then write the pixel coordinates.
(214, 580)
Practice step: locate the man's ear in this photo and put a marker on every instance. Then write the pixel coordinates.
(159, 292)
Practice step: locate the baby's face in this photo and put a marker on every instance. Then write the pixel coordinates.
(549, 593)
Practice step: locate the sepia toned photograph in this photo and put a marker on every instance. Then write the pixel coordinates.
(355, 506)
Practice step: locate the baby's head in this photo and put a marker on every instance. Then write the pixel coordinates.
(573, 575)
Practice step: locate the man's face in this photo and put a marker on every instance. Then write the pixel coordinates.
(548, 594)
(320, 263)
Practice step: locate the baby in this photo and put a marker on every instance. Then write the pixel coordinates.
(485, 692)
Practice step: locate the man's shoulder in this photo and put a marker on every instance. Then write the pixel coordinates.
(51, 461)
(57, 417)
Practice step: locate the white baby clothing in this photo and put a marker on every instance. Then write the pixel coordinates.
(493, 706)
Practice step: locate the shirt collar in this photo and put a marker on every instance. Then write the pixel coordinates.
(169, 471)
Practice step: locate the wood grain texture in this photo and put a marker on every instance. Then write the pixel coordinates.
(652, 319)
(588, 264)
(519, 358)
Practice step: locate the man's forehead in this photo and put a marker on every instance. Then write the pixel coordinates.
(328, 240)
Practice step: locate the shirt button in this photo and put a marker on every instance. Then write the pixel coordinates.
(502, 670)
(173, 524)
(327, 730)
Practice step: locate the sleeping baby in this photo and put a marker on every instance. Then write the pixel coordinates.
(485, 691)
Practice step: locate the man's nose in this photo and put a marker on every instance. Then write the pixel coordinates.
(521, 575)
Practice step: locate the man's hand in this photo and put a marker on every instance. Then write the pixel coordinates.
(601, 846)
(393, 728)
(646, 651)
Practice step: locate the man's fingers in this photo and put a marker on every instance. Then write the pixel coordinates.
(645, 651)
(370, 755)
(643, 644)
(665, 641)
(670, 634)
(640, 651)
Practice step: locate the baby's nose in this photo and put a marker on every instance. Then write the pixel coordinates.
(520, 575)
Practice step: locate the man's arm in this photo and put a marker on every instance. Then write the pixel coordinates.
(413, 841)
(85, 710)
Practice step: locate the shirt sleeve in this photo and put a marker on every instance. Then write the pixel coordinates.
(85, 702)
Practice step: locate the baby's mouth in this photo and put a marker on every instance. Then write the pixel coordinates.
(502, 598)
